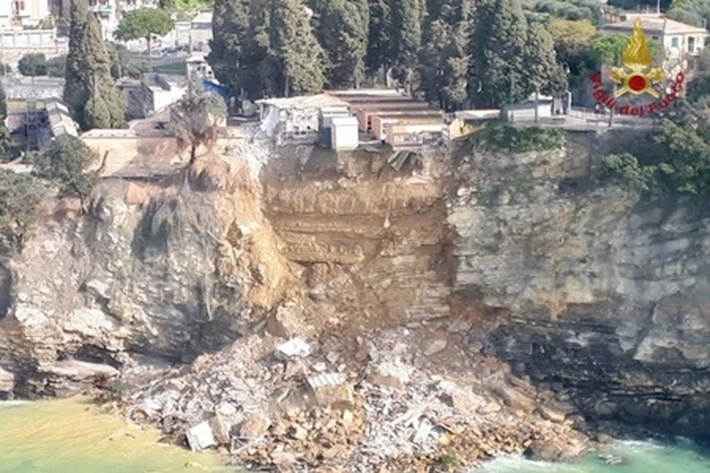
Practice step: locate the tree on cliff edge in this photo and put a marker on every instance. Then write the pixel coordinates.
(20, 198)
(89, 90)
(66, 163)
(195, 121)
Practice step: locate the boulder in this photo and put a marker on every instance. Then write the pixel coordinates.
(254, 425)
(221, 428)
(515, 399)
(7, 380)
(200, 436)
(551, 414)
(283, 323)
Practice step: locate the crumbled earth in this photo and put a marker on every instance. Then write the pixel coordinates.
(404, 399)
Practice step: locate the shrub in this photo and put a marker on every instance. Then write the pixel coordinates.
(520, 139)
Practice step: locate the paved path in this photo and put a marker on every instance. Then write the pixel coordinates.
(583, 120)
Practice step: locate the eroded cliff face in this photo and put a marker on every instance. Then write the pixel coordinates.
(529, 257)
(583, 287)
(158, 271)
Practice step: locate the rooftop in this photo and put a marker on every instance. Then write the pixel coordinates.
(655, 23)
(304, 102)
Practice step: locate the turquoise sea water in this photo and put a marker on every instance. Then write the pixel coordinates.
(639, 457)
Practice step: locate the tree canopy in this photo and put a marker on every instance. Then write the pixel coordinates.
(196, 119)
(20, 199)
(144, 23)
(33, 64)
(66, 163)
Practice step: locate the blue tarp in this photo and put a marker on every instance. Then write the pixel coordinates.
(211, 86)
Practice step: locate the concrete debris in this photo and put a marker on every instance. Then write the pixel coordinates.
(408, 411)
(515, 399)
(294, 348)
(199, 437)
(392, 374)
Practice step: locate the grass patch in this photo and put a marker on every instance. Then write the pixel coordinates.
(174, 68)
(517, 139)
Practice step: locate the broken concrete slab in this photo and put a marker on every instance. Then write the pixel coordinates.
(200, 437)
(293, 348)
(330, 389)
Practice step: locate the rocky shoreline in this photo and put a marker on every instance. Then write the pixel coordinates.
(406, 399)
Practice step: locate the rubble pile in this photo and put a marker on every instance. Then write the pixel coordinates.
(403, 399)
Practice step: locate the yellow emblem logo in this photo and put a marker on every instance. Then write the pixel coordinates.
(636, 76)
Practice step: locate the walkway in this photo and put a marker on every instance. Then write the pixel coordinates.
(587, 120)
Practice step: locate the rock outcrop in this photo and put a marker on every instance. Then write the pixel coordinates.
(584, 288)
(148, 271)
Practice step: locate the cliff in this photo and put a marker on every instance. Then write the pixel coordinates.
(517, 293)
(585, 288)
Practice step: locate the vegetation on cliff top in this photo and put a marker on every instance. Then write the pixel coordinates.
(511, 139)
(66, 163)
(20, 198)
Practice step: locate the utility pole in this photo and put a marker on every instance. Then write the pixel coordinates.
(537, 99)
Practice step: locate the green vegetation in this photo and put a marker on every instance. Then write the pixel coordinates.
(89, 90)
(20, 198)
(65, 163)
(692, 12)
(32, 65)
(195, 120)
(144, 23)
(502, 137)
(57, 66)
(122, 64)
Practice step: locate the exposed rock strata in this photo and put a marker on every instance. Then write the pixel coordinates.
(586, 288)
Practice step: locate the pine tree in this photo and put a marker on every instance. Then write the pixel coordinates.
(497, 46)
(230, 29)
(296, 47)
(342, 31)
(88, 74)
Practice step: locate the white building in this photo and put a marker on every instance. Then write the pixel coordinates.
(298, 119)
(198, 67)
(344, 133)
(155, 92)
(682, 42)
(18, 13)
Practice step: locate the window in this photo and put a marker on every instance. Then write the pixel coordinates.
(691, 44)
(19, 6)
(675, 42)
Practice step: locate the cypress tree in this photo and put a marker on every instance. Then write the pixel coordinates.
(296, 47)
(443, 60)
(230, 29)
(543, 71)
(89, 90)
(342, 31)
(379, 42)
(497, 47)
(406, 37)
